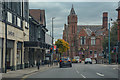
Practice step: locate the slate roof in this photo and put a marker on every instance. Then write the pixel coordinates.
(90, 28)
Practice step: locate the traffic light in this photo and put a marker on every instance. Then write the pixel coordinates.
(114, 49)
(57, 51)
(50, 50)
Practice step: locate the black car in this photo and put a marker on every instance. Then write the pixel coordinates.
(88, 60)
(65, 61)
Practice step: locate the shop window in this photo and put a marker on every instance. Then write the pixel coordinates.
(0, 57)
(18, 56)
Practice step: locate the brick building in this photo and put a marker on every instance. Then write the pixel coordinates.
(85, 40)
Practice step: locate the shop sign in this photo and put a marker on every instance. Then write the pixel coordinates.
(10, 33)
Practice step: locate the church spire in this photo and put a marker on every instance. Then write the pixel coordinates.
(72, 10)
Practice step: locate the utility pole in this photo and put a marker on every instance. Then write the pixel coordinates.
(109, 40)
(52, 41)
(5, 21)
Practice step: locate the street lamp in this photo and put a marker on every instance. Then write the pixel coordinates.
(109, 39)
(52, 38)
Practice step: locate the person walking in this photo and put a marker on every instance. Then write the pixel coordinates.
(38, 65)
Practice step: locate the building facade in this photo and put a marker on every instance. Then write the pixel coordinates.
(118, 20)
(35, 48)
(14, 30)
(84, 40)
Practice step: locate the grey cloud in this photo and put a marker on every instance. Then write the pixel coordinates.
(87, 12)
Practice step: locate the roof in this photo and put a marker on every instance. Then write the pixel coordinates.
(72, 12)
(38, 15)
(97, 29)
(90, 28)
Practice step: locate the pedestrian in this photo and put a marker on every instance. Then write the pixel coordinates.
(96, 60)
(38, 65)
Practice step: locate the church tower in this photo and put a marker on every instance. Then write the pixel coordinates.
(72, 21)
(72, 32)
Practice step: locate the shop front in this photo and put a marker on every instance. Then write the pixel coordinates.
(10, 54)
(0, 54)
(19, 55)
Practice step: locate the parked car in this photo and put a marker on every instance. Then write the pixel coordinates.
(74, 61)
(80, 61)
(88, 60)
(65, 61)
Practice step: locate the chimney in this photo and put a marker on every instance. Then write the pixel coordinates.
(105, 20)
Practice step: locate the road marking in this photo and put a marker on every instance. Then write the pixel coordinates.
(114, 68)
(100, 74)
(83, 76)
(77, 72)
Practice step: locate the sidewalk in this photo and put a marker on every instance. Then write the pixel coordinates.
(26, 71)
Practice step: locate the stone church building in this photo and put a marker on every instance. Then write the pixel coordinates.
(85, 40)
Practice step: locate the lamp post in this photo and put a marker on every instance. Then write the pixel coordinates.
(5, 21)
(52, 39)
(109, 40)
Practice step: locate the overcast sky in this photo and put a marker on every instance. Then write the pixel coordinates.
(89, 13)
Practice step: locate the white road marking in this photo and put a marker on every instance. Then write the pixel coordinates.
(114, 68)
(100, 74)
(77, 72)
(83, 76)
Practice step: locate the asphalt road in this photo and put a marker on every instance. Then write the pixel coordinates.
(79, 70)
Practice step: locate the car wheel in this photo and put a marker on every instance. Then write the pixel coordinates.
(70, 65)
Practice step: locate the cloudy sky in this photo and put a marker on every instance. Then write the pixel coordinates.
(89, 13)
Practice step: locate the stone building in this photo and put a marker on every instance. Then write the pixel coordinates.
(14, 30)
(85, 40)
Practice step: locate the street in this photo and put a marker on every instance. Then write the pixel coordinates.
(79, 70)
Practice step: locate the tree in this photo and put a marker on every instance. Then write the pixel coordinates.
(62, 45)
(113, 37)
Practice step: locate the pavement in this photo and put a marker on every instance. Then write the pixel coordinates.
(25, 71)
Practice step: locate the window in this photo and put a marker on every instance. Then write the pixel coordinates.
(39, 32)
(95, 54)
(83, 40)
(90, 54)
(14, 19)
(92, 40)
(26, 24)
(9, 17)
(18, 22)
(72, 29)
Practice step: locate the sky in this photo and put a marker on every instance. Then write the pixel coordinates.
(89, 13)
